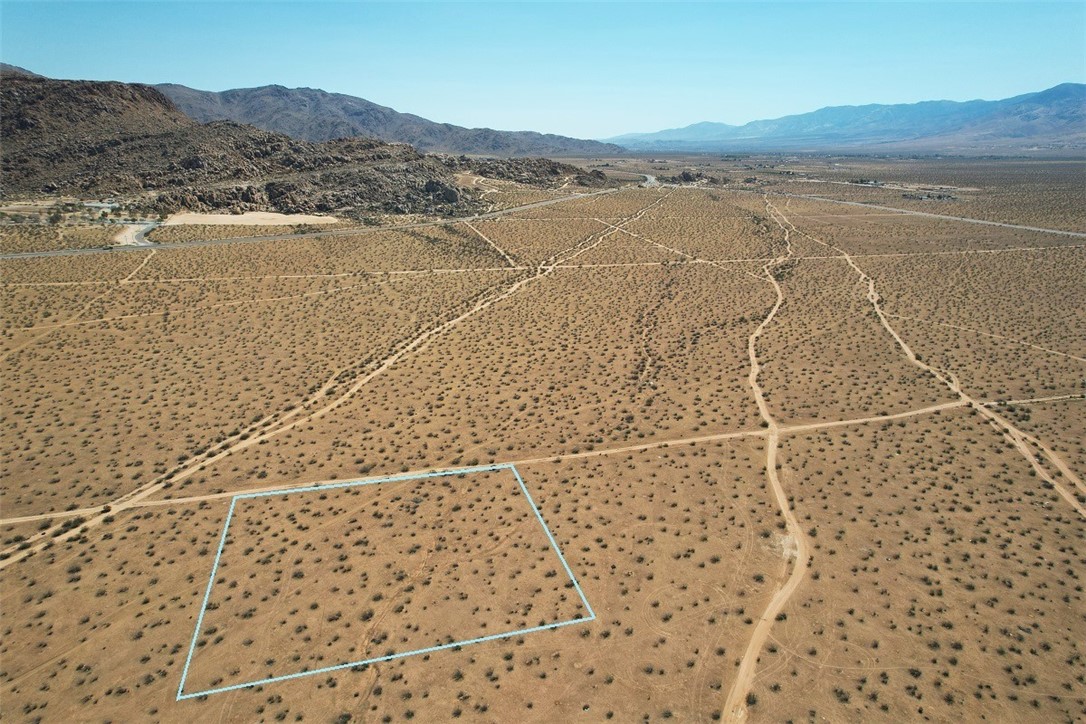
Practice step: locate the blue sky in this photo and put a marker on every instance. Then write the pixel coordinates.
(589, 70)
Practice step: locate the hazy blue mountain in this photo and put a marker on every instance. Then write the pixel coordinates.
(1054, 118)
(311, 114)
(9, 69)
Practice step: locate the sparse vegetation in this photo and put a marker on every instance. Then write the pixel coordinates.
(603, 345)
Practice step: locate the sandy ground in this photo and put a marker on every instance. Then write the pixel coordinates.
(126, 235)
(775, 459)
(249, 218)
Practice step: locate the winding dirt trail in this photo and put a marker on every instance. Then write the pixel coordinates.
(1031, 448)
(1026, 444)
(561, 457)
(277, 424)
(490, 241)
(735, 707)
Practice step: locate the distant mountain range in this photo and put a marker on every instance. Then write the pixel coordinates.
(311, 114)
(1054, 119)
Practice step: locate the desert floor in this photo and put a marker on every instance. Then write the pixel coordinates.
(805, 459)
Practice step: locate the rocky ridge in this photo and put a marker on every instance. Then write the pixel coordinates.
(98, 139)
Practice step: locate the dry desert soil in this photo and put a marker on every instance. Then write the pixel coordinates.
(809, 455)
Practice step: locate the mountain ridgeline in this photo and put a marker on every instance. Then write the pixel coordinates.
(1051, 120)
(129, 141)
(311, 114)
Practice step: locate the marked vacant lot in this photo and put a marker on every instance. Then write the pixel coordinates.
(315, 580)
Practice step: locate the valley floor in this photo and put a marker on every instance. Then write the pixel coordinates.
(806, 458)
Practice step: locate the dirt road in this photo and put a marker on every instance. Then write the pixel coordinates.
(308, 235)
(276, 424)
(911, 212)
(1019, 439)
(562, 457)
(735, 706)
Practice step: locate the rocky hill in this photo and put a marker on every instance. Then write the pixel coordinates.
(99, 139)
(316, 115)
(43, 116)
(7, 69)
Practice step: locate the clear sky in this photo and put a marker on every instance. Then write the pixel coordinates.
(588, 70)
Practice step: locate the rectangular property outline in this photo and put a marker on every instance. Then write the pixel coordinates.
(364, 662)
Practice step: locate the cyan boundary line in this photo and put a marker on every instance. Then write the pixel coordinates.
(389, 657)
(207, 597)
(554, 544)
(390, 479)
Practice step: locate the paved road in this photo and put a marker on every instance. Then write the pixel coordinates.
(136, 234)
(141, 235)
(285, 237)
(912, 212)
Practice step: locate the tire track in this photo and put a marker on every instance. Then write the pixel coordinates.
(490, 241)
(1018, 438)
(278, 424)
(735, 706)
(988, 334)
